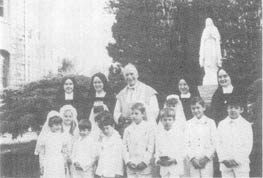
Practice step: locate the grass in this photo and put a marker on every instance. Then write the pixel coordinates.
(18, 160)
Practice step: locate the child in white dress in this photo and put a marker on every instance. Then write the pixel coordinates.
(70, 132)
(52, 143)
(169, 149)
(173, 101)
(139, 144)
(70, 122)
(110, 162)
(84, 152)
(44, 131)
(97, 108)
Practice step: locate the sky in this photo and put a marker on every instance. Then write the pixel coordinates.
(78, 30)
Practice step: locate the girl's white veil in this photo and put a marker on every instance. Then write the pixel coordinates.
(179, 110)
(63, 109)
(44, 131)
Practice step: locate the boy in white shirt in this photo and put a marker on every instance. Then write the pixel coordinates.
(200, 140)
(110, 163)
(138, 141)
(169, 146)
(84, 152)
(234, 141)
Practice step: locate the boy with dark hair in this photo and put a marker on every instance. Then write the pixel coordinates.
(84, 153)
(200, 140)
(110, 163)
(234, 141)
(85, 124)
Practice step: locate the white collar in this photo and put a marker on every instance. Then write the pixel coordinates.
(140, 124)
(114, 135)
(84, 139)
(233, 121)
(188, 95)
(169, 131)
(101, 94)
(202, 120)
(69, 96)
(228, 89)
(134, 86)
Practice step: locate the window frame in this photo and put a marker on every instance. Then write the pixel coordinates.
(4, 18)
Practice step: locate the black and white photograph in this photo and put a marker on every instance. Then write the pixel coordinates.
(130, 88)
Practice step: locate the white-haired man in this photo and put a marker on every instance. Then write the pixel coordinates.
(135, 91)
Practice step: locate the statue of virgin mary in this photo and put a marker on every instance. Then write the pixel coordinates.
(210, 53)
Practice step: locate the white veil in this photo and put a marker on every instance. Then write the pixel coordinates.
(179, 110)
(74, 125)
(44, 131)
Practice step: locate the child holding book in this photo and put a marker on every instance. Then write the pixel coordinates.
(234, 141)
(139, 144)
(169, 146)
(200, 140)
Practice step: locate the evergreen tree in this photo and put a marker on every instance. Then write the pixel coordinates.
(162, 37)
(145, 38)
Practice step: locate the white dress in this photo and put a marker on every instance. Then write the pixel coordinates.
(69, 139)
(53, 156)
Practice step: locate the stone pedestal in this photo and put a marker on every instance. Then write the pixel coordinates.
(206, 92)
(1, 72)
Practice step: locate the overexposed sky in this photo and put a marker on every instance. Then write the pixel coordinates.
(79, 30)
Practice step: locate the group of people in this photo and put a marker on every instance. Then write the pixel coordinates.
(128, 136)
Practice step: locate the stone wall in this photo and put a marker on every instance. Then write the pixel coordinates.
(22, 40)
(17, 42)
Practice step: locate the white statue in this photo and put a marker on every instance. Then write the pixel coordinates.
(210, 52)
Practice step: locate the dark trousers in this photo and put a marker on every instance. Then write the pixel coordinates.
(217, 172)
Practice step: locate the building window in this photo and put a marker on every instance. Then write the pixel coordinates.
(4, 10)
(1, 8)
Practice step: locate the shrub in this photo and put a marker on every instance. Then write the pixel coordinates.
(28, 106)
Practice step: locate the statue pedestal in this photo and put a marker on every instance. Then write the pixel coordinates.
(206, 92)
